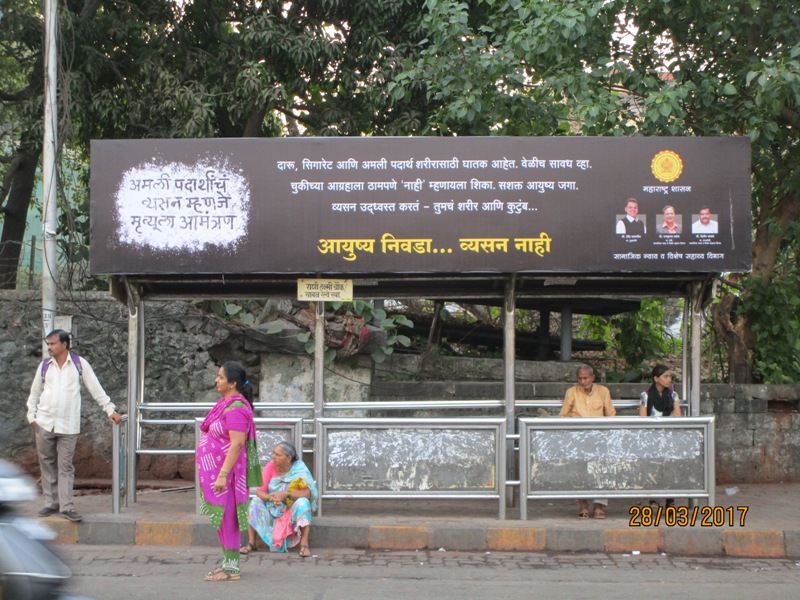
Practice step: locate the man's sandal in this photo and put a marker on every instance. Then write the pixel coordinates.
(248, 548)
(305, 551)
(222, 576)
(599, 513)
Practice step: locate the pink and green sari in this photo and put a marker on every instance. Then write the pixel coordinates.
(228, 508)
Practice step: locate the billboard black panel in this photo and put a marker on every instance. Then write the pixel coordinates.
(420, 205)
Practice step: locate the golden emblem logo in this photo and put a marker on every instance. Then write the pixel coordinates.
(667, 166)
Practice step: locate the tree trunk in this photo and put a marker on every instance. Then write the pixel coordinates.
(772, 223)
(735, 332)
(19, 183)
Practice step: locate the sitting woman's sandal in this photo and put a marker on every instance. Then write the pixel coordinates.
(305, 551)
(248, 548)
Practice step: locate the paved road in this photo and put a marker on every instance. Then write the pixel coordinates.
(160, 572)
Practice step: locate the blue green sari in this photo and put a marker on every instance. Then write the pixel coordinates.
(279, 526)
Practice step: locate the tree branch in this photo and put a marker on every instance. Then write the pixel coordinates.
(791, 117)
(730, 283)
(5, 186)
(25, 93)
(89, 9)
(254, 122)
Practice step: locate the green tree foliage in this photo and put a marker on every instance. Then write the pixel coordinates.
(774, 310)
(21, 89)
(163, 68)
(635, 67)
(204, 68)
(213, 68)
(637, 337)
(371, 315)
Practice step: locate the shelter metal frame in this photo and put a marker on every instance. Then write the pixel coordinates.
(293, 426)
(496, 425)
(511, 291)
(526, 458)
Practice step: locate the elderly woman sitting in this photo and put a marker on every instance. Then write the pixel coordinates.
(281, 511)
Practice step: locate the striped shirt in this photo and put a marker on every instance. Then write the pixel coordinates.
(55, 406)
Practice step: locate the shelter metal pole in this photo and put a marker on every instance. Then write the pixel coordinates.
(696, 308)
(49, 171)
(543, 335)
(684, 348)
(566, 333)
(139, 380)
(319, 361)
(695, 350)
(135, 360)
(319, 392)
(509, 382)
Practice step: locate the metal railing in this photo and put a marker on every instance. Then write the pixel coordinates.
(418, 458)
(198, 407)
(294, 417)
(268, 433)
(627, 457)
(304, 410)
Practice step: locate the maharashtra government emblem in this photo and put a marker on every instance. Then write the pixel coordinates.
(667, 166)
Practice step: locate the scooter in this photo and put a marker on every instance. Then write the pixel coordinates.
(29, 570)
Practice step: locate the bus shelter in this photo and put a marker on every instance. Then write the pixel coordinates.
(533, 222)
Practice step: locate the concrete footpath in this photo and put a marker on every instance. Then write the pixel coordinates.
(748, 520)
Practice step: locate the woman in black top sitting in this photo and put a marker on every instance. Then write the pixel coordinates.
(660, 400)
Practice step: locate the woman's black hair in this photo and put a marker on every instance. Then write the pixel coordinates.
(659, 370)
(288, 449)
(235, 373)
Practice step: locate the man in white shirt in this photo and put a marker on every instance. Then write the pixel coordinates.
(54, 412)
(630, 224)
(705, 224)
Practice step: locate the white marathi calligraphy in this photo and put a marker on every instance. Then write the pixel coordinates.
(172, 206)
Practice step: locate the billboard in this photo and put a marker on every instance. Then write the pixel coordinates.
(420, 205)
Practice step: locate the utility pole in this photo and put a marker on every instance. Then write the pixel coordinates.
(49, 171)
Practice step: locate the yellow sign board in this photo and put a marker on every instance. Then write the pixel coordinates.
(331, 290)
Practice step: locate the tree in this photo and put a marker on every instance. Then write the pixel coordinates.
(531, 67)
(208, 68)
(21, 88)
(216, 68)
(163, 68)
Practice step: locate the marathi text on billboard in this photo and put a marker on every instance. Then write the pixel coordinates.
(385, 205)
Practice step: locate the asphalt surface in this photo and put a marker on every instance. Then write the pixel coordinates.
(140, 572)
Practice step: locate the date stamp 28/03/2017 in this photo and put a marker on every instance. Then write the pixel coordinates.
(684, 516)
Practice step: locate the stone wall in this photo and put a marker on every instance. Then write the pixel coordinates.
(757, 427)
(183, 351)
(757, 431)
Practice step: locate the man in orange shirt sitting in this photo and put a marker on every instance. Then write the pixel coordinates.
(588, 399)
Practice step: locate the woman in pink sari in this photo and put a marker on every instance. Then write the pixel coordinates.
(227, 465)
